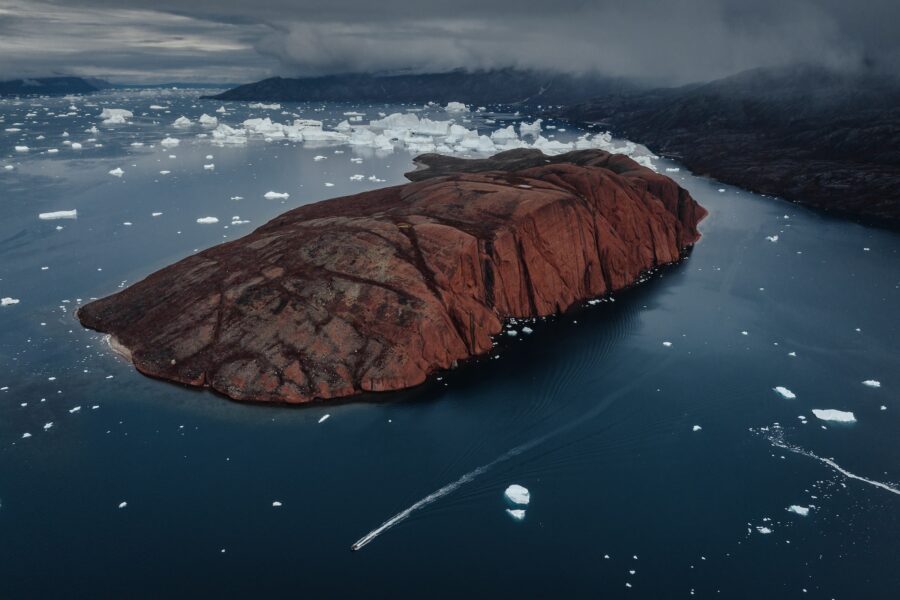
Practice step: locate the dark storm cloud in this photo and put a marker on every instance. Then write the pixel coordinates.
(668, 42)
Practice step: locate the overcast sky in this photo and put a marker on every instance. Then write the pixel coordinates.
(665, 41)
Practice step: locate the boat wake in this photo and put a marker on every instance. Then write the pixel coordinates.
(775, 435)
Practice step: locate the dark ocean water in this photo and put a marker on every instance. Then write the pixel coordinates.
(591, 412)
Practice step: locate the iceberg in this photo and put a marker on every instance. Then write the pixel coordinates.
(207, 220)
(7, 301)
(208, 121)
(800, 510)
(456, 107)
(518, 494)
(516, 513)
(871, 383)
(831, 414)
(59, 214)
(115, 116)
(532, 129)
(169, 142)
(785, 393)
(182, 122)
(117, 172)
(276, 195)
(263, 106)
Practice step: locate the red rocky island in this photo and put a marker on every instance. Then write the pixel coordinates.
(374, 292)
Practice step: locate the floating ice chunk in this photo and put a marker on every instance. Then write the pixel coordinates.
(764, 530)
(872, 383)
(123, 504)
(169, 142)
(75, 146)
(182, 122)
(324, 418)
(527, 330)
(518, 494)
(516, 513)
(672, 169)
(721, 190)
(7, 301)
(319, 157)
(8, 167)
(505, 134)
(831, 414)
(696, 428)
(207, 220)
(26, 435)
(115, 116)
(456, 107)
(532, 129)
(157, 107)
(155, 214)
(667, 344)
(276, 504)
(221, 110)
(59, 214)
(208, 121)
(74, 409)
(117, 172)
(772, 238)
(800, 510)
(276, 195)
(263, 106)
(209, 167)
(48, 425)
(785, 393)
(22, 148)
(512, 333)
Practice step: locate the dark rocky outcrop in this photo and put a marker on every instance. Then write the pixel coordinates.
(50, 86)
(499, 86)
(825, 139)
(375, 291)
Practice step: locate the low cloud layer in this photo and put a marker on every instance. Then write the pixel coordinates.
(234, 40)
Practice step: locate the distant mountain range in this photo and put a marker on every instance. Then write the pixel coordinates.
(501, 86)
(817, 137)
(51, 86)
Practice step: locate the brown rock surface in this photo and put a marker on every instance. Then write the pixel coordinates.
(375, 291)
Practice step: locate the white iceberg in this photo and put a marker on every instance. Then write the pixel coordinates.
(207, 220)
(276, 195)
(872, 383)
(117, 172)
(22, 148)
(456, 107)
(516, 513)
(7, 301)
(182, 122)
(169, 142)
(59, 214)
(208, 121)
(263, 106)
(785, 393)
(115, 116)
(831, 414)
(800, 510)
(518, 494)
(532, 129)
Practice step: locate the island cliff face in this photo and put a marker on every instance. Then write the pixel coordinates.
(374, 292)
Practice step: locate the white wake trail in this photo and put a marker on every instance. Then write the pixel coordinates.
(777, 440)
(471, 475)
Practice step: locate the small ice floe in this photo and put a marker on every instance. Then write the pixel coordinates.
(319, 157)
(800, 510)
(512, 333)
(156, 214)
(123, 504)
(164, 172)
(59, 214)
(7, 301)
(518, 494)
(516, 513)
(26, 435)
(22, 148)
(772, 238)
(74, 409)
(221, 110)
(209, 167)
(672, 169)
(764, 530)
(872, 383)
(831, 414)
(324, 418)
(75, 146)
(48, 425)
(785, 393)
(263, 106)
(169, 142)
(721, 190)
(117, 172)
(527, 330)
(456, 107)
(115, 116)
(157, 107)
(329, 184)
(792, 354)
(208, 121)
(696, 428)
(207, 220)
(276, 195)
(276, 504)
(182, 122)
(667, 344)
